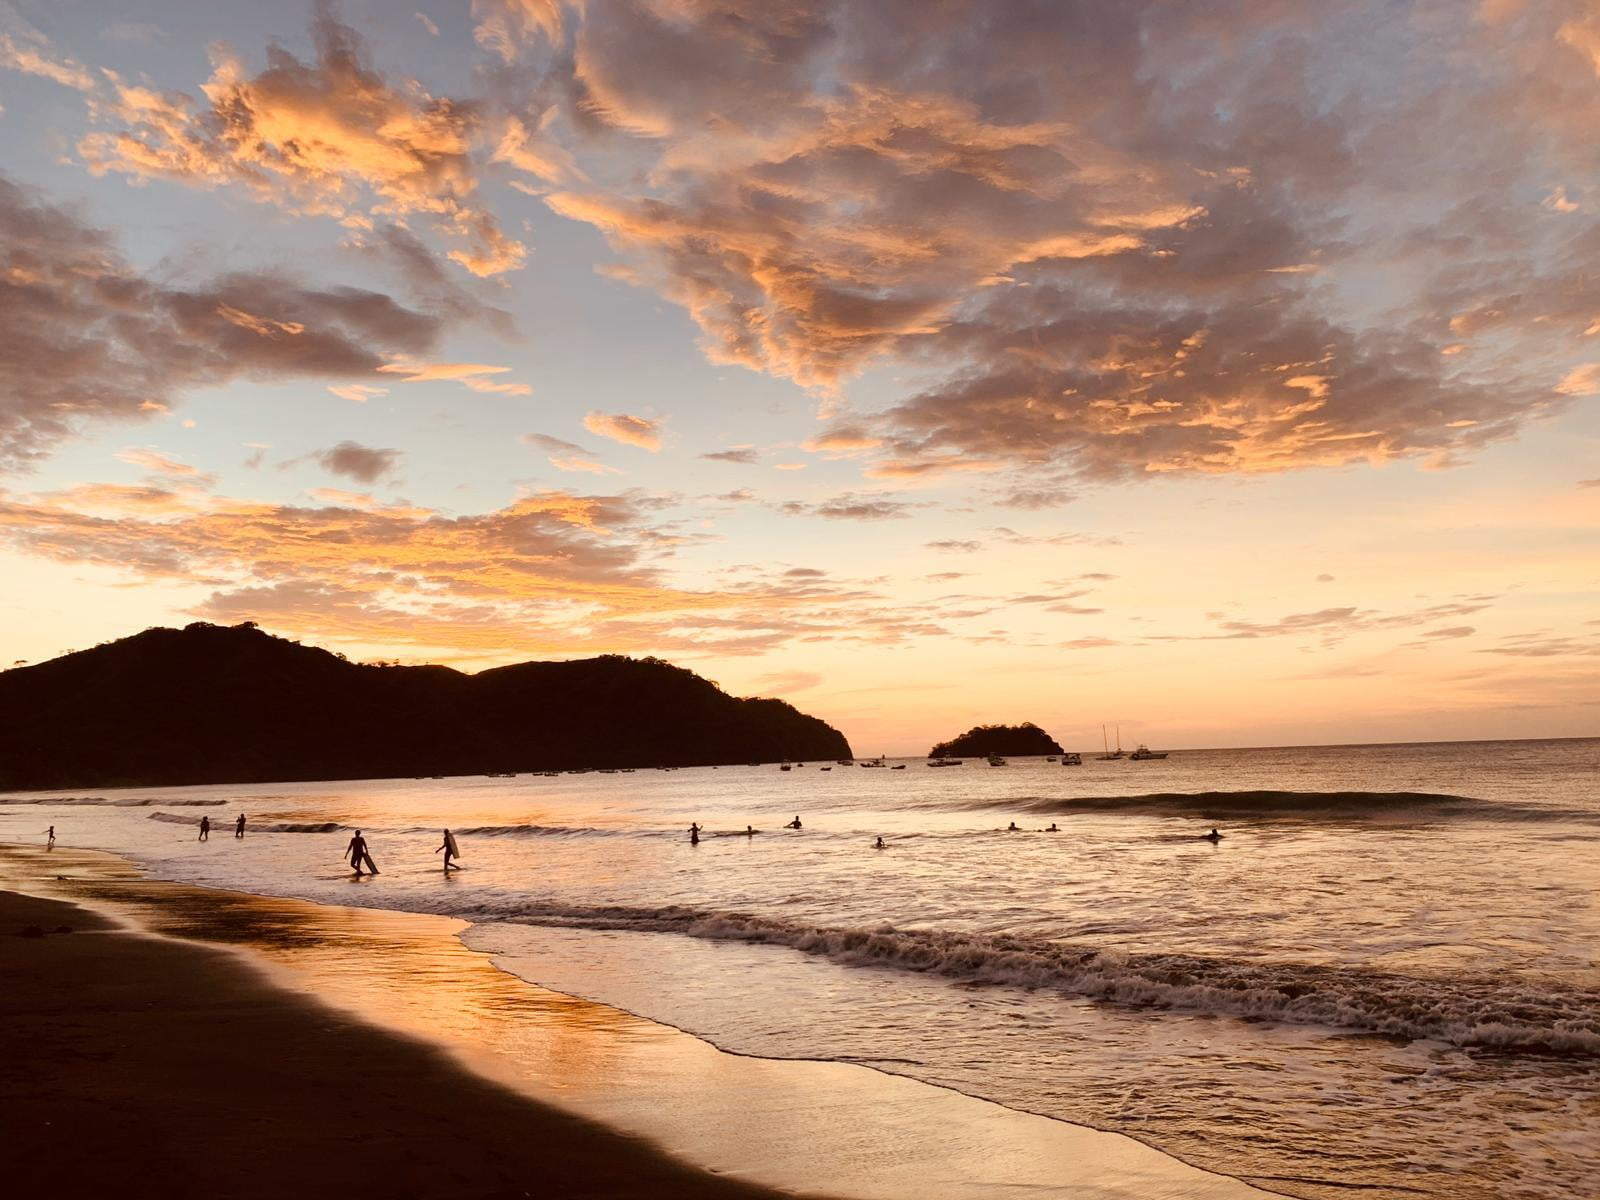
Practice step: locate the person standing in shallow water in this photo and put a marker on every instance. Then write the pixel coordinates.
(50, 835)
(450, 851)
(205, 829)
(356, 851)
(238, 827)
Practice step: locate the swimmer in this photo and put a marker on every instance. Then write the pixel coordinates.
(1053, 828)
(878, 845)
(749, 831)
(794, 824)
(1213, 837)
(1012, 828)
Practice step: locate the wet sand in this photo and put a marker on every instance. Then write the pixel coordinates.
(419, 1069)
(146, 1064)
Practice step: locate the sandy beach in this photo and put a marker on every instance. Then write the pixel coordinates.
(175, 1066)
(212, 1042)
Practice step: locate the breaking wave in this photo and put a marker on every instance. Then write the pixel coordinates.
(1289, 805)
(1469, 1012)
(260, 826)
(109, 801)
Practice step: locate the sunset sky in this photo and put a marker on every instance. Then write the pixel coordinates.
(1223, 369)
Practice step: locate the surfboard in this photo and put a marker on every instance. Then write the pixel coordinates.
(367, 858)
(450, 845)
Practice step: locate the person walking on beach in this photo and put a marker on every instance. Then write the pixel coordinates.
(356, 852)
(238, 827)
(205, 829)
(50, 834)
(451, 850)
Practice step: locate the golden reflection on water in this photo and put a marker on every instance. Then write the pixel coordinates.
(813, 1126)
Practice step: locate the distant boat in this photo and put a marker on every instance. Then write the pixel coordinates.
(874, 762)
(844, 762)
(996, 761)
(1072, 759)
(945, 762)
(1049, 758)
(824, 768)
(785, 767)
(1109, 754)
(1144, 753)
(898, 767)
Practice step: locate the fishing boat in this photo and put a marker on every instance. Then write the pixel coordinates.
(1072, 759)
(1145, 754)
(874, 762)
(996, 761)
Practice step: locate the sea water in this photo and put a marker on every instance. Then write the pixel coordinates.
(1383, 976)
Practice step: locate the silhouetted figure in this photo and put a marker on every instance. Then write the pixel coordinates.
(695, 827)
(359, 855)
(205, 829)
(1012, 828)
(1213, 837)
(878, 845)
(1053, 828)
(238, 827)
(694, 835)
(451, 850)
(50, 834)
(749, 831)
(794, 824)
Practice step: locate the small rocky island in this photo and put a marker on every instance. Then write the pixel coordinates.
(981, 740)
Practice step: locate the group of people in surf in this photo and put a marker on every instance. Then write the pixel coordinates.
(205, 828)
(360, 856)
(695, 829)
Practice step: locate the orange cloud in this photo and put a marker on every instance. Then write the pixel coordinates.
(620, 427)
(329, 137)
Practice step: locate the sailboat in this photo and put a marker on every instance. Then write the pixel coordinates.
(1110, 754)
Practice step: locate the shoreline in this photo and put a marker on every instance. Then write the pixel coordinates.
(180, 1066)
(796, 1127)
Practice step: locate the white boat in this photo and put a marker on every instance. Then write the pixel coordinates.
(996, 761)
(945, 762)
(1144, 754)
(1072, 759)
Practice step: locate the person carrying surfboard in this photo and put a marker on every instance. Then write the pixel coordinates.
(451, 850)
(359, 855)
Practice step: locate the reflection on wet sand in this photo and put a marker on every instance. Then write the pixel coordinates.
(819, 1127)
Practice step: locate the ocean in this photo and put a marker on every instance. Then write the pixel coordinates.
(1383, 977)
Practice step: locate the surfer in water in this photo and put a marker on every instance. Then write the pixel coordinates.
(794, 824)
(1053, 828)
(357, 853)
(878, 845)
(1213, 837)
(451, 850)
(238, 827)
(694, 835)
(1012, 828)
(749, 831)
(205, 829)
(51, 835)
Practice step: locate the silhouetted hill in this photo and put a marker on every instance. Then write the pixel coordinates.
(213, 704)
(1026, 738)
